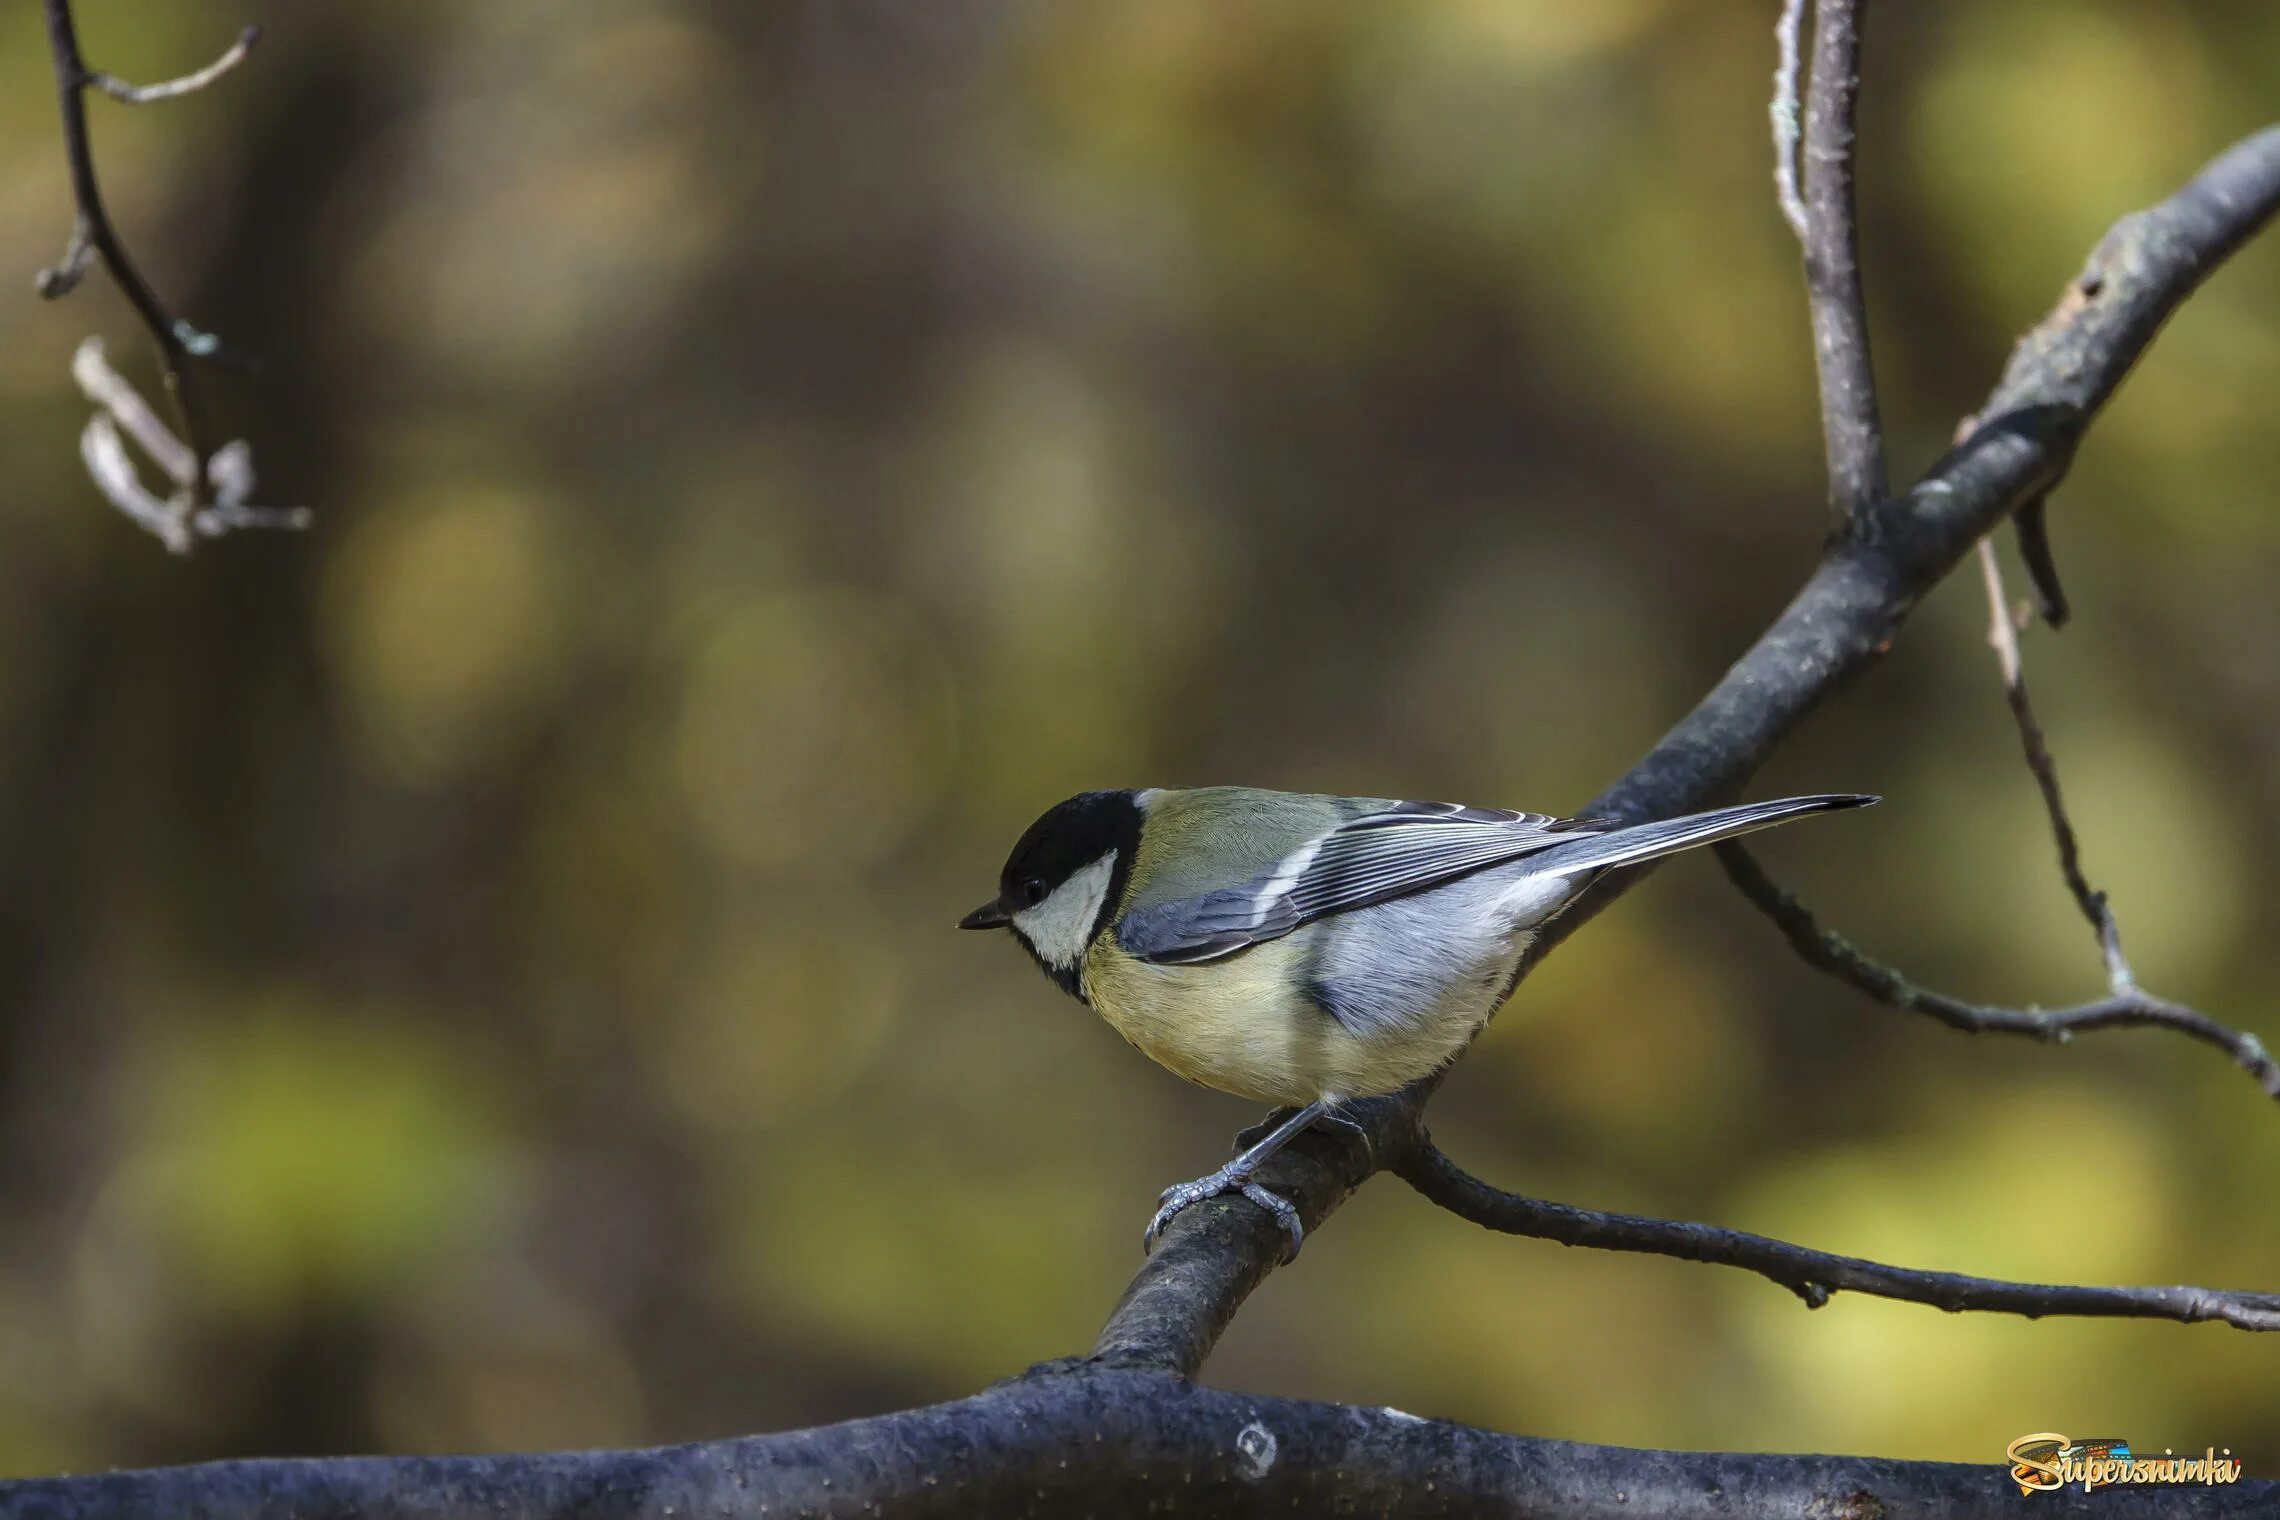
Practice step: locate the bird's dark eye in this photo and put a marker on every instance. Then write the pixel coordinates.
(1032, 892)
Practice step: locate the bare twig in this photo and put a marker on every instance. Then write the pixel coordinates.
(169, 89)
(2131, 1007)
(225, 517)
(107, 388)
(178, 521)
(2003, 637)
(1814, 1275)
(1848, 614)
(2126, 1006)
(95, 237)
(63, 276)
(1852, 434)
(105, 454)
(1786, 113)
(72, 79)
(2032, 523)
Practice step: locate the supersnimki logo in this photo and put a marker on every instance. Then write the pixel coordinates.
(2046, 1461)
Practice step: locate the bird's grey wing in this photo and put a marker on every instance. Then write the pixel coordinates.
(1371, 859)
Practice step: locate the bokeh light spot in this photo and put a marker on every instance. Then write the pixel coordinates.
(445, 620)
(815, 729)
(789, 1010)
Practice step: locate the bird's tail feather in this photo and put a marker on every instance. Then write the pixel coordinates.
(1651, 841)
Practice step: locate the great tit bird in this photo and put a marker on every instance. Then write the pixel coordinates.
(1305, 950)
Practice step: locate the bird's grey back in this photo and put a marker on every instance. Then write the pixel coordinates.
(1255, 866)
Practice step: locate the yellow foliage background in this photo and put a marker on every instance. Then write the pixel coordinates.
(479, 975)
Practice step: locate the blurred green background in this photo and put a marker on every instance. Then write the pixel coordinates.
(479, 974)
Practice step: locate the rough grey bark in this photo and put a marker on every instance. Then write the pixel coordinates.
(1076, 1440)
(1852, 432)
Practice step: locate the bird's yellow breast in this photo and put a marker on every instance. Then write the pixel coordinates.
(1243, 1025)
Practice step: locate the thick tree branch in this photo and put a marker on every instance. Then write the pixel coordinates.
(1213, 1254)
(1851, 608)
(1078, 1439)
(1813, 1275)
(1852, 434)
(1841, 623)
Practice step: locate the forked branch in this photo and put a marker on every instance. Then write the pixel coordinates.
(210, 483)
(2129, 1008)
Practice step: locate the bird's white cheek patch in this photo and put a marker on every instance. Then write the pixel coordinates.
(1059, 926)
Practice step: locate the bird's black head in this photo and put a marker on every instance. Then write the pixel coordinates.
(1061, 884)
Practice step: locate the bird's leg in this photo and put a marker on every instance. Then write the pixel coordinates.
(1331, 1113)
(1252, 1134)
(1235, 1177)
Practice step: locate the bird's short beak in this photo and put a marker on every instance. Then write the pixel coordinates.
(988, 916)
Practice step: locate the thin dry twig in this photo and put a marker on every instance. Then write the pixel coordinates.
(2032, 524)
(95, 239)
(2003, 625)
(105, 454)
(96, 232)
(1813, 1275)
(2127, 1005)
(178, 520)
(169, 89)
(2131, 1008)
(110, 390)
(63, 276)
(1786, 113)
